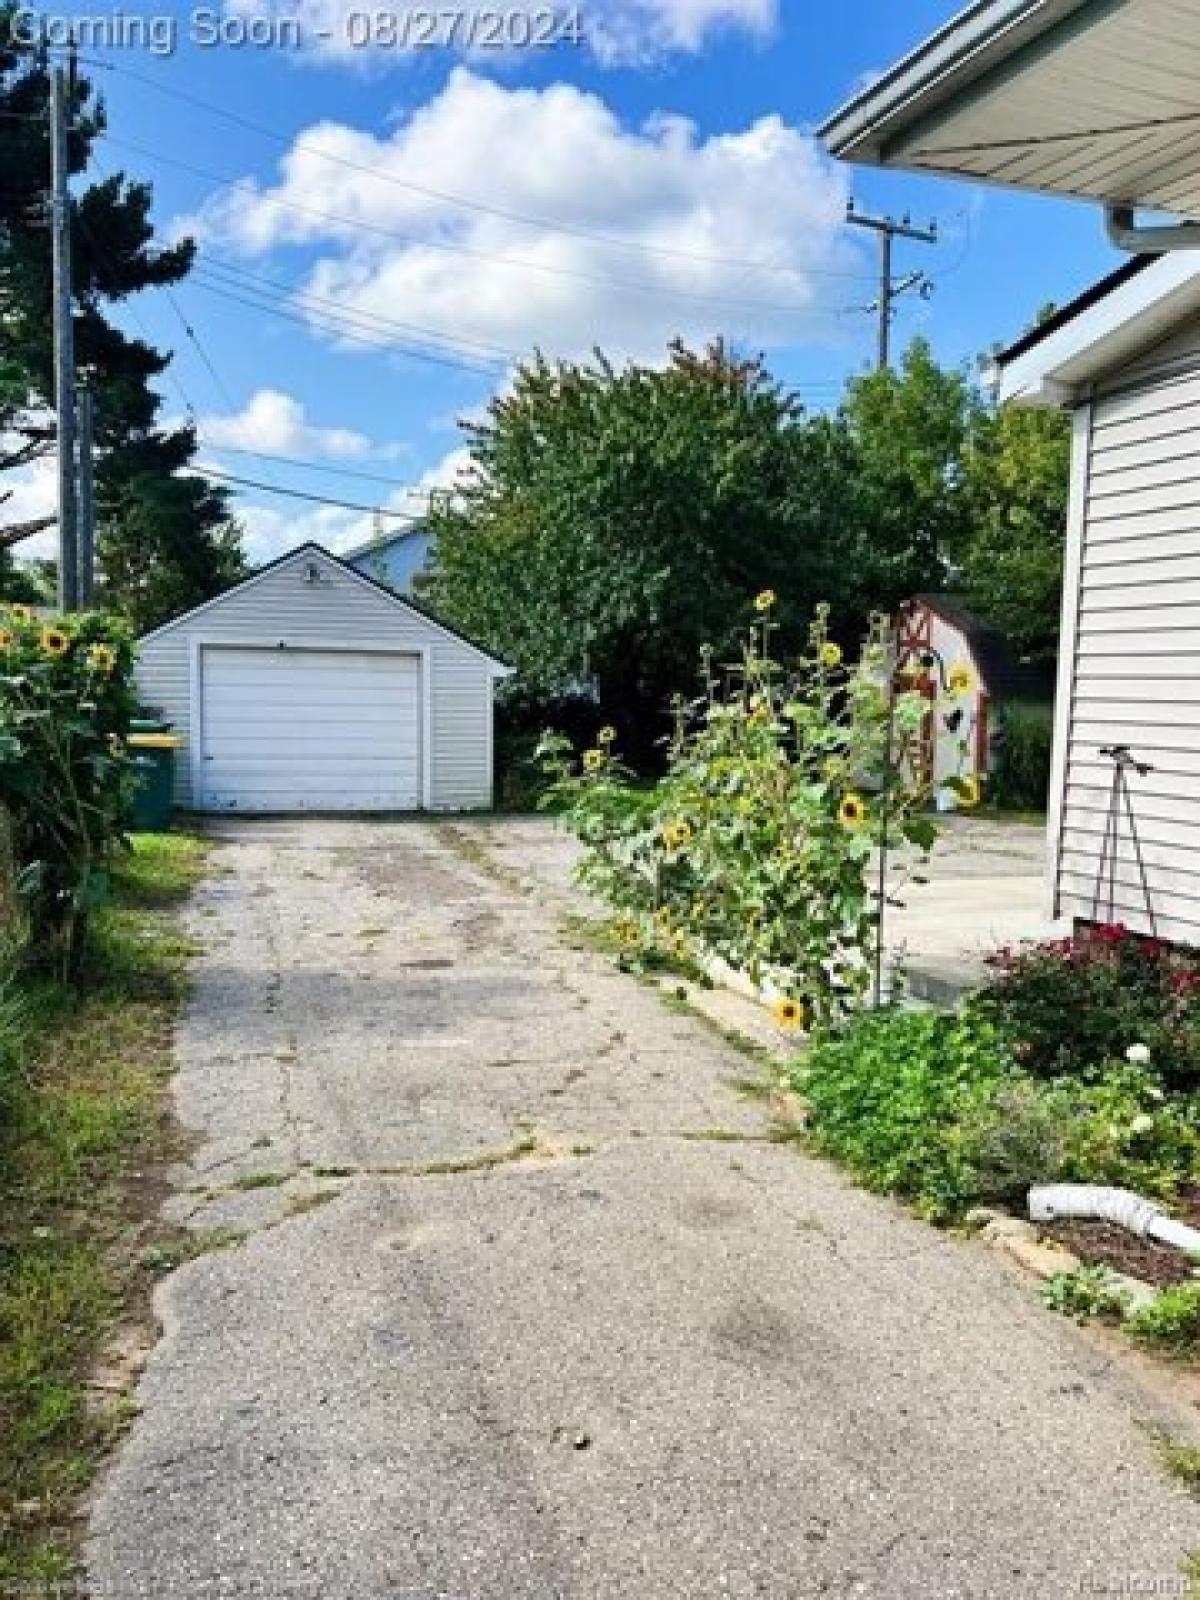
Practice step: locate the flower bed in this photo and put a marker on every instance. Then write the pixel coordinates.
(756, 847)
(1037, 1079)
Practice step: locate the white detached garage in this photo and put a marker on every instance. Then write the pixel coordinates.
(309, 687)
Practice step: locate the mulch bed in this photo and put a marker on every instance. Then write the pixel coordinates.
(1104, 1244)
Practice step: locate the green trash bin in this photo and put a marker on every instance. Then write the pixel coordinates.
(153, 746)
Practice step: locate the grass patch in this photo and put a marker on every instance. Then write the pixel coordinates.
(1181, 1462)
(81, 1119)
(260, 1180)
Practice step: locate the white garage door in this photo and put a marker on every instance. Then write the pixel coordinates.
(309, 730)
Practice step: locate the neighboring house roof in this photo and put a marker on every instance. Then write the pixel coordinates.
(1004, 676)
(1044, 95)
(310, 549)
(389, 541)
(1105, 328)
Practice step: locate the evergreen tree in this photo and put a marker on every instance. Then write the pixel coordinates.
(166, 537)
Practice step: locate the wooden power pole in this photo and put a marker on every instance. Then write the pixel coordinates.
(64, 346)
(889, 287)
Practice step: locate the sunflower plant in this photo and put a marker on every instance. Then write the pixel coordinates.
(66, 698)
(758, 844)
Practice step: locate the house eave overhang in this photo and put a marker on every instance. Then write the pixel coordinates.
(972, 44)
(1060, 369)
(1089, 99)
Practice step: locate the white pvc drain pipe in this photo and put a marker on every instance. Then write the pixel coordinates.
(1083, 1202)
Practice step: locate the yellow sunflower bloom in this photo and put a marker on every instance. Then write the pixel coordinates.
(831, 654)
(677, 834)
(7, 638)
(20, 613)
(765, 601)
(55, 642)
(961, 680)
(970, 793)
(789, 1013)
(606, 736)
(102, 658)
(593, 760)
(853, 811)
(662, 920)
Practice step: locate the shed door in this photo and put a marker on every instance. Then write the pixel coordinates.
(309, 730)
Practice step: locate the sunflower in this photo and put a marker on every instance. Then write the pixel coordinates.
(7, 638)
(662, 920)
(761, 713)
(961, 680)
(969, 792)
(593, 760)
(831, 654)
(677, 834)
(789, 1013)
(607, 735)
(765, 600)
(833, 768)
(853, 811)
(20, 613)
(55, 641)
(102, 658)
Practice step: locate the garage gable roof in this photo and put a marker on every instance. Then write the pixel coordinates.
(308, 551)
(1107, 327)
(1090, 98)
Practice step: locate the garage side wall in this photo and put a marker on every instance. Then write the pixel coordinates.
(338, 612)
(1130, 673)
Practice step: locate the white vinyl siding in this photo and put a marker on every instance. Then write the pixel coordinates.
(1133, 674)
(341, 612)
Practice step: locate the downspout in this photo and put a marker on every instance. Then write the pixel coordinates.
(1125, 234)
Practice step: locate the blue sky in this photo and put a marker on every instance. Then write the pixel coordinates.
(663, 181)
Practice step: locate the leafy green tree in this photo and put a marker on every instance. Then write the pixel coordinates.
(616, 520)
(114, 256)
(912, 427)
(1017, 478)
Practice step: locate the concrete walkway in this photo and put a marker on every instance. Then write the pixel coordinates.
(530, 1308)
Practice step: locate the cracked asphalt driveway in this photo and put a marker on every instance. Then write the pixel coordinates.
(528, 1305)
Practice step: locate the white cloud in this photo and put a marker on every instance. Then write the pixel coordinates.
(277, 424)
(32, 492)
(652, 227)
(349, 32)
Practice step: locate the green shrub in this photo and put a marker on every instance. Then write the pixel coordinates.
(1171, 1322)
(757, 845)
(1086, 1293)
(892, 1096)
(66, 698)
(1020, 776)
(1070, 1006)
(1015, 1138)
(932, 1108)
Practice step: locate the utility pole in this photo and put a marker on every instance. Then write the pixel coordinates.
(64, 346)
(890, 288)
(86, 576)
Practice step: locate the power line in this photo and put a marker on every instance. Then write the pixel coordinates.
(548, 224)
(300, 494)
(233, 270)
(347, 332)
(635, 286)
(312, 466)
